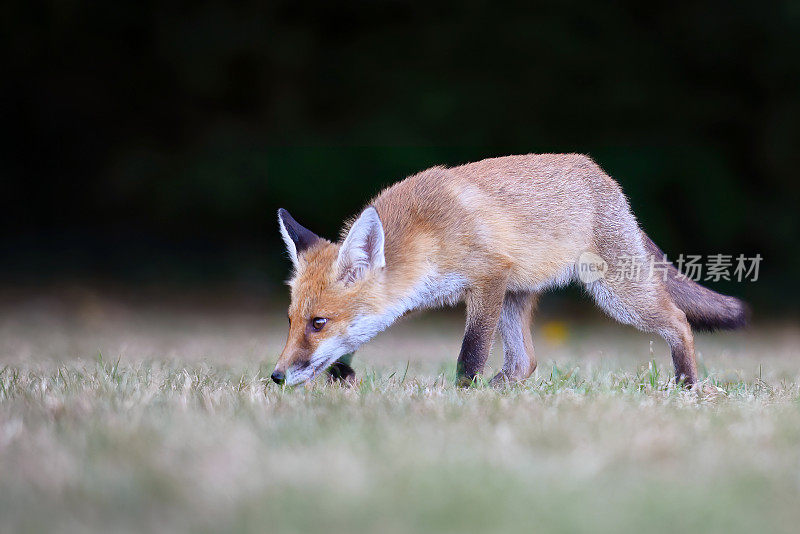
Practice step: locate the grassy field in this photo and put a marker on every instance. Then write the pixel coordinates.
(147, 418)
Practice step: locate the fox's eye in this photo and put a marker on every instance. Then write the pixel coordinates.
(317, 323)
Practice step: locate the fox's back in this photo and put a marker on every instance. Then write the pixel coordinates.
(534, 212)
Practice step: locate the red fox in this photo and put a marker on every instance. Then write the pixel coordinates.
(495, 234)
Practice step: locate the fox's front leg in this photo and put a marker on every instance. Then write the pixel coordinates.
(484, 302)
(342, 370)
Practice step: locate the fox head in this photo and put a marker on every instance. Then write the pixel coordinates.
(336, 293)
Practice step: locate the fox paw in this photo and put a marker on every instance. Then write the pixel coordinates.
(341, 372)
(502, 380)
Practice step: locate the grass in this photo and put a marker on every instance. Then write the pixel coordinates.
(176, 428)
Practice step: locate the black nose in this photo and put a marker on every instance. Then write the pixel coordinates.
(278, 377)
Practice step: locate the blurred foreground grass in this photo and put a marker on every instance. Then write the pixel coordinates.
(176, 428)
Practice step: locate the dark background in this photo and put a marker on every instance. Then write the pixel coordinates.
(149, 144)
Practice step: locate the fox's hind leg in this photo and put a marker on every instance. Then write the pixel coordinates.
(519, 360)
(484, 303)
(645, 303)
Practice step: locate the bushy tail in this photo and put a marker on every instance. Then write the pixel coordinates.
(704, 309)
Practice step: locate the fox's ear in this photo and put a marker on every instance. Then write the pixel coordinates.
(296, 237)
(362, 249)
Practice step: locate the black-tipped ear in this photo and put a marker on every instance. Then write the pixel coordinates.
(297, 237)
